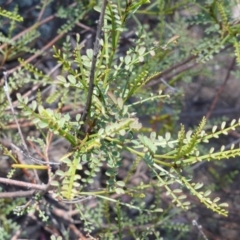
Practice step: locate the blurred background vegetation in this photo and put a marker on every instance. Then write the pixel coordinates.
(199, 69)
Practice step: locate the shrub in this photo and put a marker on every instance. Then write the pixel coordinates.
(109, 89)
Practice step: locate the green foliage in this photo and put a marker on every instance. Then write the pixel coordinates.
(73, 15)
(23, 43)
(112, 126)
(11, 15)
(7, 225)
(222, 30)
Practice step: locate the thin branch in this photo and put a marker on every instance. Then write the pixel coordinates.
(94, 61)
(6, 89)
(36, 25)
(45, 20)
(16, 194)
(220, 90)
(41, 187)
(38, 53)
(36, 87)
(42, 10)
(177, 68)
(157, 79)
(180, 70)
(48, 142)
(199, 227)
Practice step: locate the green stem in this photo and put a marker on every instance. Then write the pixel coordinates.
(140, 154)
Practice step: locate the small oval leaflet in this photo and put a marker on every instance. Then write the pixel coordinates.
(119, 191)
(120, 183)
(216, 199)
(89, 53)
(214, 129)
(198, 186)
(72, 79)
(208, 192)
(61, 79)
(223, 205)
(182, 197)
(177, 190)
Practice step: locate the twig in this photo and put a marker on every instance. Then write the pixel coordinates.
(37, 86)
(16, 194)
(35, 149)
(220, 90)
(171, 89)
(48, 141)
(77, 200)
(23, 226)
(199, 227)
(77, 232)
(41, 187)
(45, 20)
(85, 27)
(42, 10)
(6, 89)
(167, 74)
(38, 53)
(94, 61)
(5, 143)
(157, 79)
